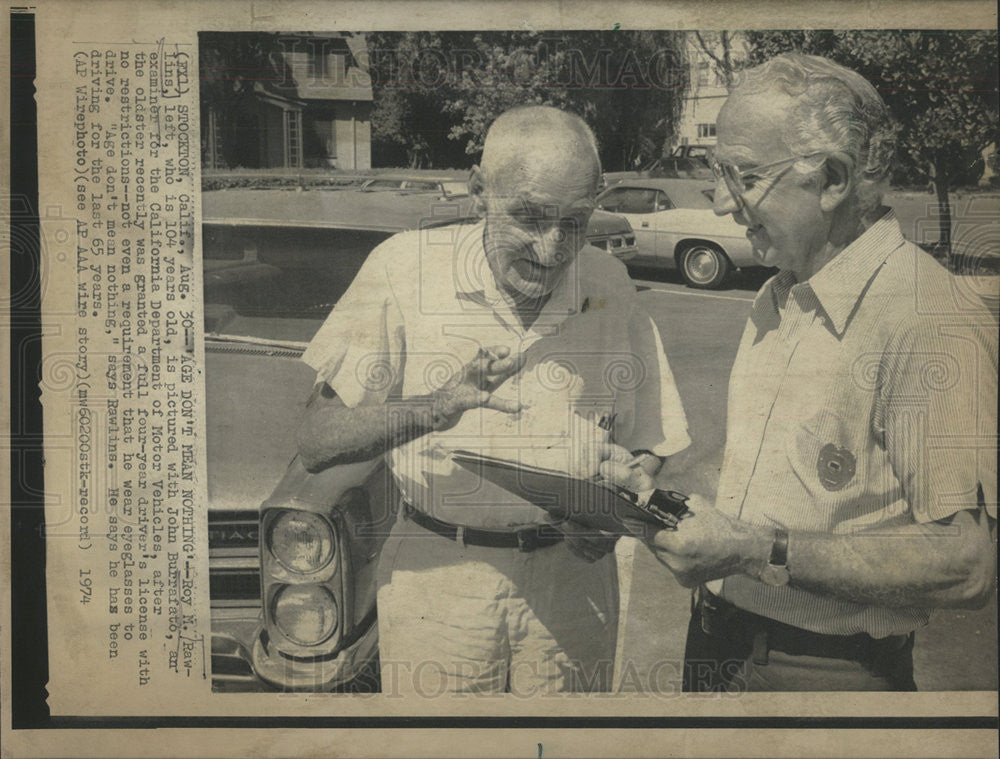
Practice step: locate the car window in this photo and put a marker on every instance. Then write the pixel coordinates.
(663, 202)
(630, 200)
(698, 152)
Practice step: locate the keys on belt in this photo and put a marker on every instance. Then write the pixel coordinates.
(526, 540)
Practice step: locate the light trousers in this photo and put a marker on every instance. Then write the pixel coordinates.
(457, 618)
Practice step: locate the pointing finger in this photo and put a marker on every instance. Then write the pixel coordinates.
(502, 404)
(612, 452)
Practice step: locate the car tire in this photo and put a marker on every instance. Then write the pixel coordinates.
(704, 265)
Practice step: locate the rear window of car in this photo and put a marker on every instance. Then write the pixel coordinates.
(419, 184)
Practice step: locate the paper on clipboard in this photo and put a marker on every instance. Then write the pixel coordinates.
(588, 501)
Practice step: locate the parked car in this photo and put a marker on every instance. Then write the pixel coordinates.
(292, 583)
(684, 162)
(292, 589)
(676, 228)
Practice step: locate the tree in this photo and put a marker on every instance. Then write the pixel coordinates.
(409, 86)
(719, 47)
(449, 87)
(231, 67)
(941, 87)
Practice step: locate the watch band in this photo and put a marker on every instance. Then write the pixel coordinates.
(779, 548)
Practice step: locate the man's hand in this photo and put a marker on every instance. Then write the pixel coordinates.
(707, 544)
(620, 467)
(472, 386)
(586, 543)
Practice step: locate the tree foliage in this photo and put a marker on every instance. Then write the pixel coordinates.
(718, 46)
(446, 88)
(941, 86)
(231, 67)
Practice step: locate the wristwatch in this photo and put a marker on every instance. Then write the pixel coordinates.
(775, 572)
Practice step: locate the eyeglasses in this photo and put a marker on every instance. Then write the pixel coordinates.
(736, 180)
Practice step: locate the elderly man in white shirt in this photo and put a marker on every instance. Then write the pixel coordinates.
(858, 486)
(514, 338)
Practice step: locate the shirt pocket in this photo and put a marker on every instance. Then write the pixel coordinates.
(824, 457)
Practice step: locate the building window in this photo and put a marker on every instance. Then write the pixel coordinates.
(293, 139)
(706, 130)
(318, 61)
(703, 74)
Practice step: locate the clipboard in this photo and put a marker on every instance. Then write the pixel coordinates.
(591, 502)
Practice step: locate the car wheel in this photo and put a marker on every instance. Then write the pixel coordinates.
(704, 265)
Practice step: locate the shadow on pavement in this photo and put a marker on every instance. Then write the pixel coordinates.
(746, 280)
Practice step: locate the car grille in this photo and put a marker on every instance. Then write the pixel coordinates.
(233, 560)
(234, 590)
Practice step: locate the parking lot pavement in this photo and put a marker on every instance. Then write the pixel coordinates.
(701, 331)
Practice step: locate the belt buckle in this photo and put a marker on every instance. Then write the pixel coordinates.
(527, 540)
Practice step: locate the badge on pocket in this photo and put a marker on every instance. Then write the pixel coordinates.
(835, 467)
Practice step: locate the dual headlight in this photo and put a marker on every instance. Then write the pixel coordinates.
(303, 543)
(321, 535)
(304, 584)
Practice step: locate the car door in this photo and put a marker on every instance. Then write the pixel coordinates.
(661, 229)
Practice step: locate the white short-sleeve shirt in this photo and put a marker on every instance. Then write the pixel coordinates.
(422, 306)
(861, 400)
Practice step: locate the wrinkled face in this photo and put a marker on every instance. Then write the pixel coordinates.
(781, 209)
(536, 223)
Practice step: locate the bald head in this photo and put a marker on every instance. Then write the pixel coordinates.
(529, 142)
(535, 187)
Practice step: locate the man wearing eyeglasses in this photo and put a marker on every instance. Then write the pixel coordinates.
(858, 486)
(513, 338)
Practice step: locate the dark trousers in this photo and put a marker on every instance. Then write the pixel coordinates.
(732, 650)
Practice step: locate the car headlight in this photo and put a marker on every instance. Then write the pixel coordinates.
(301, 541)
(305, 614)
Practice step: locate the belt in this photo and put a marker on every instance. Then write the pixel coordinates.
(526, 540)
(721, 619)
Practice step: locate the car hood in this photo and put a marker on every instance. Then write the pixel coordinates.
(255, 397)
(389, 211)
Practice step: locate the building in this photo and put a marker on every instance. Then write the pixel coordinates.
(707, 90)
(311, 109)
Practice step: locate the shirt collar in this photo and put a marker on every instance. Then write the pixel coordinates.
(839, 285)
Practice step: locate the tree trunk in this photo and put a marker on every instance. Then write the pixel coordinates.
(944, 209)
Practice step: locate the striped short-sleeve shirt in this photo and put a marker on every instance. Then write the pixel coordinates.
(862, 399)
